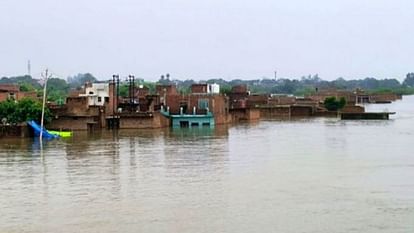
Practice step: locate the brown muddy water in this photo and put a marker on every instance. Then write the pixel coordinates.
(310, 175)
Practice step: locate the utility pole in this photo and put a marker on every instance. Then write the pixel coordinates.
(45, 76)
(29, 68)
(275, 74)
(113, 95)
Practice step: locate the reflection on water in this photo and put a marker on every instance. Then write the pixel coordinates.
(304, 175)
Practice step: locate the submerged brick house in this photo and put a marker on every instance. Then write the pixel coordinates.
(85, 109)
(12, 91)
(202, 101)
(321, 95)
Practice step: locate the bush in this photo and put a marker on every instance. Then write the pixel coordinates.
(332, 104)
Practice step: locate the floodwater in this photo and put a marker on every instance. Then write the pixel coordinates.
(310, 175)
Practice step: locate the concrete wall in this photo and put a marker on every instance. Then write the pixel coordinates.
(192, 121)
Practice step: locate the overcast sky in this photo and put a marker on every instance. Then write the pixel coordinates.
(208, 39)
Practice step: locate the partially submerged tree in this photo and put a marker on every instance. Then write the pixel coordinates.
(332, 104)
(24, 110)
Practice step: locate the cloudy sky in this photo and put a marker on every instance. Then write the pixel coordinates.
(208, 39)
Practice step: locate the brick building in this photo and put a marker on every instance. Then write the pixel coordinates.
(12, 91)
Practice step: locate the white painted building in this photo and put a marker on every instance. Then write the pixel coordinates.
(213, 88)
(97, 93)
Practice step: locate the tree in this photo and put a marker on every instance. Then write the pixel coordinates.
(409, 80)
(123, 90)
(57, 89)
(225, 89)
(79, 80)
(332, 104)
(8, 111)
(25, 87)
(25, 110)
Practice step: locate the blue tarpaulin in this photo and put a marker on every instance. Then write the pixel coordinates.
(37, 129)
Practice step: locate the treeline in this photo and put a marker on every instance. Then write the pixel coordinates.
(308, 85)
(58, 88)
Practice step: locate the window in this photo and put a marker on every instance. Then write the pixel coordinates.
(184, 124)
(99, 99)
(12, 96)
(106, 99)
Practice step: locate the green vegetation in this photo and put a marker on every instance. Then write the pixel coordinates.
(307, 85)
(25, 80)
(79, 80)
(332, 104)
(14, 112)
(409, 80)
(58, 88)
(226, 89)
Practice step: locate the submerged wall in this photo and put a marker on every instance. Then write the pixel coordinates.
(153, 121)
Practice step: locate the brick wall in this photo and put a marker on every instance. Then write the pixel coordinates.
(275, 112)
(4, 96)
(353, 109)
(199, 88)
(239, 89)
(30, 94)
(322, 95)
(384, 97)
(257, 100)
(282, 100)
(71, 123)
(241, 115)
(157, 120)
(78, 106)
(301, 111)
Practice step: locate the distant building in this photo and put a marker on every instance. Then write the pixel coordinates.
(12, 91)
(97, 93)
(205, 88)
(321, 95)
